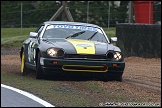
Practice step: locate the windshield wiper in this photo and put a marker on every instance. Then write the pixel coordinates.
(92, 35)
(75, 35)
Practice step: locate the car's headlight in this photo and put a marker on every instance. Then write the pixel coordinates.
(52, 52)
(55, 52)
(117, 56)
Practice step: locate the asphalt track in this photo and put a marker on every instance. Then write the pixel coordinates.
(13, 97)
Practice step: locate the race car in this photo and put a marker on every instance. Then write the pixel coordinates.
(71, 48)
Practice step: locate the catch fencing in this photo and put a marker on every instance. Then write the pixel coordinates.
(103, 13)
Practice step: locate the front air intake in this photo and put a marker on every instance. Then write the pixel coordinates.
(82, 68)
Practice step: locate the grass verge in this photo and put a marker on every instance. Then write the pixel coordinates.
(13, 37)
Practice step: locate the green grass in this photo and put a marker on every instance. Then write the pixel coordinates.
(62, 93)
(13, 37)
(12, 32)
(110, 32)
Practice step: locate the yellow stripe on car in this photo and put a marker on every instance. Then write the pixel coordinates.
(83, 46)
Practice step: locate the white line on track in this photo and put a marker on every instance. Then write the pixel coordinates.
(46, 104)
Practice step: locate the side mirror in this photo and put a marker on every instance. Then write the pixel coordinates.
(113, 39)
(33, 34)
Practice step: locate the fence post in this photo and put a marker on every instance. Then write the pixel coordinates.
(130, 12)
(87, 11)
(21, 18)
(108, 13)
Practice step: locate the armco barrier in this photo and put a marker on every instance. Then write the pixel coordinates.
(142, 40)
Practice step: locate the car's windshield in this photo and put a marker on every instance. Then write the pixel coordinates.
(74, 32)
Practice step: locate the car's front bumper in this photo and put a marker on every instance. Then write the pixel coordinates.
(82, 66)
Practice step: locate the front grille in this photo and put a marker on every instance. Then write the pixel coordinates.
(82, 68)
(84, 56)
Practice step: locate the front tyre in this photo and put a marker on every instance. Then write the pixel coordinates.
(119, 78)
(112, 77)
(39, 72)
(23, 66)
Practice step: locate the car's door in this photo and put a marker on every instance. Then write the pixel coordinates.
(33, 45)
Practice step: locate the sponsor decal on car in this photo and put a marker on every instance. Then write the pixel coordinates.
(72, 27)
(83, 46)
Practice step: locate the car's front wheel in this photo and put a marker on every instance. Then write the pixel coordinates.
(39, 71)
(23, 66)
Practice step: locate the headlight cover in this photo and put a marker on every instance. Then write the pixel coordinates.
(52, 52)
(117, 56)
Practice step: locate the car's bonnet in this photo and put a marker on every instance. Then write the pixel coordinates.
(77, 46)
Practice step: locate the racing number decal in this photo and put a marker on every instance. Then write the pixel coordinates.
(31, 52)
